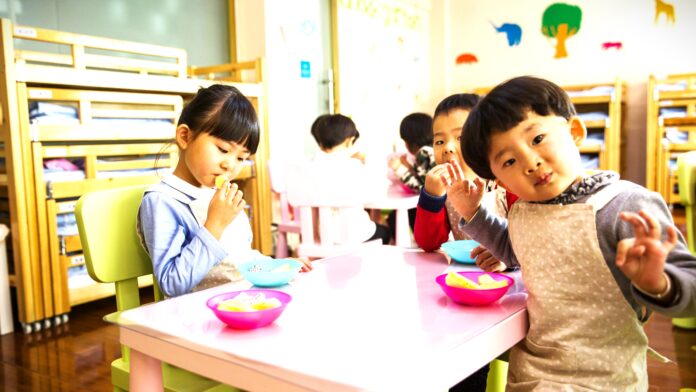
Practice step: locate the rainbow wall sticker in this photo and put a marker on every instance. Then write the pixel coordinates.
(466, 58)
(561, 21)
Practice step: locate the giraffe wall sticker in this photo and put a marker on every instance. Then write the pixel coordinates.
(664, 8)
(561, 21)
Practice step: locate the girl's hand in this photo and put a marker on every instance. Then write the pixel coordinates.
(642, 258)
(486, 261)
(433, 180)
(226, 204)
(464, 195)
(306, 264)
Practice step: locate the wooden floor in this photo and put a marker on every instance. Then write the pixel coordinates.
(76, 356)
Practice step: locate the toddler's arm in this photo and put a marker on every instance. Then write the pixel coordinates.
(181, 252)
(618, 231)
(432, 227)
(642, 258)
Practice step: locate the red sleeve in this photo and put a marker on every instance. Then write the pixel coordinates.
(510, 198)
(431, 228)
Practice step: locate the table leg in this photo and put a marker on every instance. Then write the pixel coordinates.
(403, 230)
(145, 372)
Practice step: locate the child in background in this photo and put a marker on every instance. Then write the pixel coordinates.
(195, 234)
(416, 130)
(435, 217)
(335, 134)
(591, 246)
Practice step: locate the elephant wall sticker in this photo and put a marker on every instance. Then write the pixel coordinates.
(512, 31)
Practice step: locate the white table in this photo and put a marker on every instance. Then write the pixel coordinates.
(373, 320)
(396, 198)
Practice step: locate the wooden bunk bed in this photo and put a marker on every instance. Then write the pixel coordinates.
(600, 107)
(671, 130)
(82, 122)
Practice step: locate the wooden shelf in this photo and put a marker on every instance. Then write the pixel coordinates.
(676, 92)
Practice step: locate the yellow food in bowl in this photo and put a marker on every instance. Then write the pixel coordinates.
(246, 303)
(485, 282)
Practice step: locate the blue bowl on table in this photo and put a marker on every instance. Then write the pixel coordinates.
(271, 272)
(460, 251)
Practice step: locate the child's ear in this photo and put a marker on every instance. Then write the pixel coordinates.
(184, 136)
(577, 130)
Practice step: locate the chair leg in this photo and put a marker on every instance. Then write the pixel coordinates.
(282, 245)
(497, 376)
(685, 323)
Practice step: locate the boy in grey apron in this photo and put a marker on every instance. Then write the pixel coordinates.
(597, 254)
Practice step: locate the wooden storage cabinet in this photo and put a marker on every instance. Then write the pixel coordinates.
(108, 120)
(671, 130)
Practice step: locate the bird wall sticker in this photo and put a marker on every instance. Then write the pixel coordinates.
(512, 31)
(664, 8)
(612, 45)
(561, 21)
(466, 58)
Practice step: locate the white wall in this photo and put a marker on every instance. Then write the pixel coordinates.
(274, 28)
(648, 48)
(285, 33)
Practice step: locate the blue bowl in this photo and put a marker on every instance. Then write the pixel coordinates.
(261, 272)
(460, 251)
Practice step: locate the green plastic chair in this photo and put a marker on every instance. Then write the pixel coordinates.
(113, 254)
(686, 172)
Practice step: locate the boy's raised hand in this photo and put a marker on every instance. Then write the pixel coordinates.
(465, 195)
(433, 180)
(642, 258)
(226, 204)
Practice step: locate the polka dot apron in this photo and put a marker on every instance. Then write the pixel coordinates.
(583, 335)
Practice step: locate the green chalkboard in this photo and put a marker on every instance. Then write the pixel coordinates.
(200, 27)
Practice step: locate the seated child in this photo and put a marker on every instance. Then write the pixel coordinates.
(335, 134)
(435, 217)
(416, 130)
(592, 248)
(195, 234)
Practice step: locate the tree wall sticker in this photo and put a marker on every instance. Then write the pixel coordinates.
(561, 21)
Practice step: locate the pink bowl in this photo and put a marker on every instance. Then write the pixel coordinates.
(471, 296)
(249, 320)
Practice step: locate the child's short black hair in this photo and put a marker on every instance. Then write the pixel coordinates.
(502, 109)
(330, 130)
(223, 112)
(456, 101)
(416, 130)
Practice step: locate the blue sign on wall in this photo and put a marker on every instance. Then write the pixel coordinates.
(305, 69)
